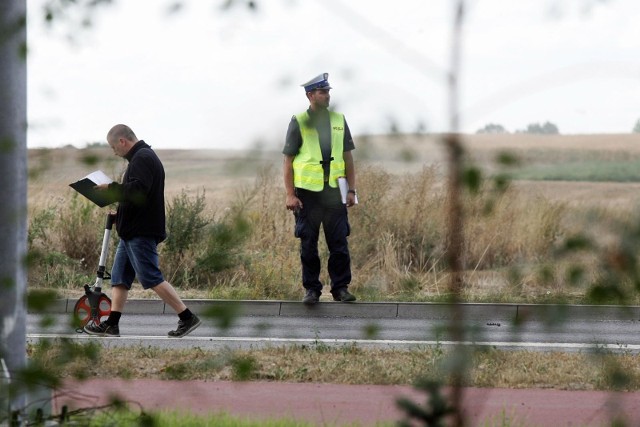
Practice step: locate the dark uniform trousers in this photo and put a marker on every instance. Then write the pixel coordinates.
(326, 208)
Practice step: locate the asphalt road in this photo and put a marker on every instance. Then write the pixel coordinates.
(382, 325)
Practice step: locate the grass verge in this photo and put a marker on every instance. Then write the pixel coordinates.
(126, 418)
(349, 364)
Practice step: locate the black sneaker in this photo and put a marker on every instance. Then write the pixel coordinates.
(185, 327)
(311, 297)
(102, 330)
(343, 295)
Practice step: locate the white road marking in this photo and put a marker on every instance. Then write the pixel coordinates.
(328, 341)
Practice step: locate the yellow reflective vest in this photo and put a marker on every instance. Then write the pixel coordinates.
(308, 172)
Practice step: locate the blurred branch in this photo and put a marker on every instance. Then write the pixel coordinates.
(391, 44)
(455, 215)
(55, 11)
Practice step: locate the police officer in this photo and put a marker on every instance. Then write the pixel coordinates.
(317, 152)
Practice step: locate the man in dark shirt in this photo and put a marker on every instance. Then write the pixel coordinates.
(317, 153)
(140, 223)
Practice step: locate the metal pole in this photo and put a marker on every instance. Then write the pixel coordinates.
(13, 191)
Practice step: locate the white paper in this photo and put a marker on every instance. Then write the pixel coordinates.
(99, 177)
(344, 189)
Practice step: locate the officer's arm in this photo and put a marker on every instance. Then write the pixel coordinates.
(292, 200)
(288, 175)
(350, 169)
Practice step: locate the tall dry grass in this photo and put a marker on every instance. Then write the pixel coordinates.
(398, 236)
(397, 243)
(243, 246)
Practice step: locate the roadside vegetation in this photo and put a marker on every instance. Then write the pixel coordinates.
(241, 246)
(520, 246)
(348, 364)
(117, 415)
(124, 414)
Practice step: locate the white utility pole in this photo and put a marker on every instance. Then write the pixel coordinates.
(13, 195)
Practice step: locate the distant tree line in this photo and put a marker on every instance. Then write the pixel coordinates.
(97, 144)
(546, 128)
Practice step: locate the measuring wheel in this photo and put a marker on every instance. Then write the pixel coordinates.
(94, 306)
(84, 313)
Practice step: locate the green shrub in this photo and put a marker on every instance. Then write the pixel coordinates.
(222, 249)
(186, 219)
(80, 231)
(41, 227)
(64, 243)
(186, 225)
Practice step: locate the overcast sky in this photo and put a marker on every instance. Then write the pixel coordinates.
(204, 78)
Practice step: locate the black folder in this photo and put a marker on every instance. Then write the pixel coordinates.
(86, 187)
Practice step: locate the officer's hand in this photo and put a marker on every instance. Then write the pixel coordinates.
(351, 199)
(293, 203)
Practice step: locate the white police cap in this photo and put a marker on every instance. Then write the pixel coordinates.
(318, 82)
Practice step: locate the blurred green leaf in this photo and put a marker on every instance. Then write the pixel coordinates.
(575, 275)
(90, 159)
(506, 158)
(577, 242)
(501, 182)
(39, 299)
(7, 145)
(601, 294)
(472, 179)
(224, 314)
(371, 331)
(435, 412)
(243, 367)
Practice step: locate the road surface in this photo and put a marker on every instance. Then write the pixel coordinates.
(538, 328)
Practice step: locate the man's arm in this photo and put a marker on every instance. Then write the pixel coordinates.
(292, 145)
(292, 200)
(350, 171)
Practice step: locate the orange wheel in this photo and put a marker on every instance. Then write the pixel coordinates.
(82, 310)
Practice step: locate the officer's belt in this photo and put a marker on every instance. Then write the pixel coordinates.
(324, 163)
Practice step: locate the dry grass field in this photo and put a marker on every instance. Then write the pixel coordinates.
(398, 228)
(220, 173)
(407, 153)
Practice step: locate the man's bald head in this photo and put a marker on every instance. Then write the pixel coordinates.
(121, 139)
(121, 131)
